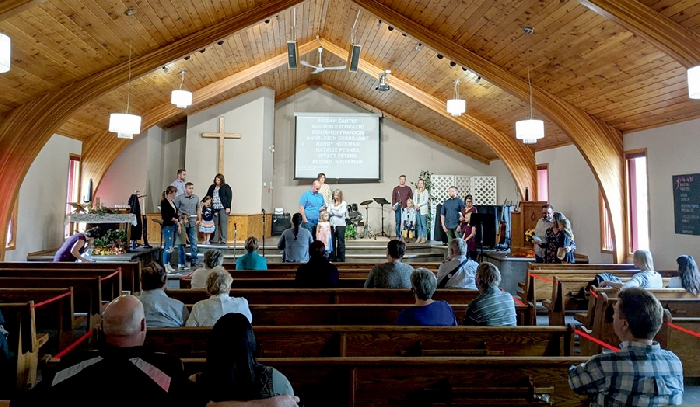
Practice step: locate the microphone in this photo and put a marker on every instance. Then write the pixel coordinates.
(263, 211)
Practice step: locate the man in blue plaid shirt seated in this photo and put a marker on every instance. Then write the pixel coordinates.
(641, 373)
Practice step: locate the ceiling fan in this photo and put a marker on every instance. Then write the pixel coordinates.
(320, 68)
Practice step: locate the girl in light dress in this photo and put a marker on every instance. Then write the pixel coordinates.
(408, 220)
(207, 225)
(323, 231)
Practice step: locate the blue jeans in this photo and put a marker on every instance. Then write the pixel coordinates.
(397, 217)
(192, 235)
(311, 227)
(422, 226)
(169, 233)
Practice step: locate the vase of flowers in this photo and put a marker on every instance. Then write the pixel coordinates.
(529, 234)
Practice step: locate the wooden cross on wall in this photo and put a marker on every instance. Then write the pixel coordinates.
(221, 136)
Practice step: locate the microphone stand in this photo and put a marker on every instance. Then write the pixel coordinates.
(263, 232)
(395, 209)
(235, 238)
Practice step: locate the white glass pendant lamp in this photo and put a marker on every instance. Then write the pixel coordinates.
(125, 124)
(5, 53)
(693, 82)
(180, 97)
(456, 107)
(530, 130)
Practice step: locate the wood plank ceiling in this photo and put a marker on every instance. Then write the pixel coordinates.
(575, 54)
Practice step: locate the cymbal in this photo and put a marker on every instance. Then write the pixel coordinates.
(367, 202)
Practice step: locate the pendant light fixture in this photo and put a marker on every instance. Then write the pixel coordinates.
(693, 82)
(125, 124)
(179, 97)
(456, 106)
(5, 53)
(530, 130)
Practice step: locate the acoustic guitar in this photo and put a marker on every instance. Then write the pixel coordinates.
(501, 232)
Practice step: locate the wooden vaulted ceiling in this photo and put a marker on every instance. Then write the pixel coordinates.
(599, 68)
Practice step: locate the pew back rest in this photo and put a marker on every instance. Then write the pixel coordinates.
(131, 271)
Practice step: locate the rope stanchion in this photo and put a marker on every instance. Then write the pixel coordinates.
(685, 330)
(56, 298)
(73, 345)
(111, 275)
(542, 278)
(596, 340)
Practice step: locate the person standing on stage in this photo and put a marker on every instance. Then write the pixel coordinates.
(180, 182)
(189, 204)
(450, 214)
(339, 213)
(220, 193)
(541, 231)
(311, 205)
(421, 205)
(399, 196)
(325, 189)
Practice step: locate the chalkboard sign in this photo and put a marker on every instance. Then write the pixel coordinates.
(686, 203)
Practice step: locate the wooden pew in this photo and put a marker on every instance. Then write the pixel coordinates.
(576, 266)
(131, 271)
(353, 314)
(425, 381)
(56, 315)
(265, 282)
(23, 341)
(111, 286)
(356, 341)
(326, 295)
(345, 266)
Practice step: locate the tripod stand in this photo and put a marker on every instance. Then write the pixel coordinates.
(382, 202)
(367, 229)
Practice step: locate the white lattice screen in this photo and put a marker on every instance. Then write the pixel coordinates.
(482, 188)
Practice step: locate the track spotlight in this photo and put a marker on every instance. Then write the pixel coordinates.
(403, 34)
(439, 56)
(187, 58)
(267, 21)
(419, 46)
(464, 69)
(202, 50)
(165, 69)
(379, 23)
(478, 79)
(390, 28)
(277, 17)
(221, 42)
(453, 64)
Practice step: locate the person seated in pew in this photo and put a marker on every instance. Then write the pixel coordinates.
(318, 272)
(646, 278)
(641, 373)
(160, 310)
(492, 307)
(295, 242)
(74, 248)
(251, 260)
(688, 275)
(426, 311)
(213, 261)
(125, 373)
(393, 273)
(207, 312)
(459, 271)
(231, 371)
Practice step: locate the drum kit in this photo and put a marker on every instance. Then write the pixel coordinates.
(355, 217)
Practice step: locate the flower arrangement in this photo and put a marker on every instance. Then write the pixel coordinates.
(113, 242)
(529, 234)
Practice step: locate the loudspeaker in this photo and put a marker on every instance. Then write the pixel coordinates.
(354, 59)
(280, 223)
(485, 223)
(292, 54)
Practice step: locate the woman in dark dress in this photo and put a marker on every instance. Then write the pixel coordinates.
(171, 225)
(318, 272)
(220, 193)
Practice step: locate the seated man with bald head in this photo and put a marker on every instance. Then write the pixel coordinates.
(123, 372)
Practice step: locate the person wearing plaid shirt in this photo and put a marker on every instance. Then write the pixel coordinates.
(641, 373)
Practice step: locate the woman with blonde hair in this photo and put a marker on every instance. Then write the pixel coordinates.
(338, 211)
(646, 278)
(213, 261)
(565, 242)
(421, 205)
(207, 312)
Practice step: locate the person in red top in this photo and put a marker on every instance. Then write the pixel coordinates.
(399, 196)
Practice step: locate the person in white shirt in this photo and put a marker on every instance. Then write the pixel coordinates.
(541, 231)
(459, 271)
(338, 210)
(421, 205)
(325, 189)
(207, 312)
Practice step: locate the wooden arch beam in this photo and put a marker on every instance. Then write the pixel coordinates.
(25, 130)
(10, 8)
(599, 143)
(665, 34)
(101, 149)
(519, 160)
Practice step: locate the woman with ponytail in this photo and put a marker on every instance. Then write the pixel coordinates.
(295, 242)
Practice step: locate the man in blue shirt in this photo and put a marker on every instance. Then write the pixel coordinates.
(311, 205)
(451, 212)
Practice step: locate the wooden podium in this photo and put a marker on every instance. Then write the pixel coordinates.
(526, 218)
(248, 225)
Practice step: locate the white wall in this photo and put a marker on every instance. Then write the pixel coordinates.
(402, 152)
(42, 199)
(671, 150)
(574, 191)
(174, 146)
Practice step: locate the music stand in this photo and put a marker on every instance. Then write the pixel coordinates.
(382, 202)
(478, 220)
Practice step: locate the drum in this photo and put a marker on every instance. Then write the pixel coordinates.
(354, 207)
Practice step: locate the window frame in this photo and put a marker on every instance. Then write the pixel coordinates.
(72, 227)
(12, 227)
(605, 232)
(539, 167)
(629, 155)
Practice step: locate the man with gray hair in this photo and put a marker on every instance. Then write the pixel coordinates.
(459, 271)
(492, 307)
(426, 311)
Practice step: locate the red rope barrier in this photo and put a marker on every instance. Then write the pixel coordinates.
(111, 275)
(517, 301)
(56, 298)
(73, 345)
(596, 340)
(593, 293)
(542, 278)
(686, 330)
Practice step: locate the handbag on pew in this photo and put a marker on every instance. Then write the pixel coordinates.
(442, 283)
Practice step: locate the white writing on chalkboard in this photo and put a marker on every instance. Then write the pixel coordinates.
(686, 200)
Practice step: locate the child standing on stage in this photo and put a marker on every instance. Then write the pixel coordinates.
(408, 220)
(207, 225)
(323, 231)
